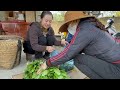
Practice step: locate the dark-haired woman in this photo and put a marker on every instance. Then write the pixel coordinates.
(41, 38)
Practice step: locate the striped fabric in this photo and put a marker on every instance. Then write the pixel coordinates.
(92, 41)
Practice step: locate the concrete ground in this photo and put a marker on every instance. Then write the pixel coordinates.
(8, 74)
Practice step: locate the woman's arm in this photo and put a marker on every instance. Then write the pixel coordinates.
(80, 40)
(33, 37)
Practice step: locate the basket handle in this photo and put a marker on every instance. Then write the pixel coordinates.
(19, 50)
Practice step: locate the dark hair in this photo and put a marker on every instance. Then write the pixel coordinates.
(98, 24)
(46, 13)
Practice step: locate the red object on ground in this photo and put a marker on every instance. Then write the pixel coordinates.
(15, 28)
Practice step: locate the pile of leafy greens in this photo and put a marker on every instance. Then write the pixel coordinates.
(49, 73)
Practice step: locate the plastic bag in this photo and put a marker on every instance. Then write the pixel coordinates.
(67, 66)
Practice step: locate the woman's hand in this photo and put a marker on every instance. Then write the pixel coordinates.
(50, 48)
(42, 67)
(63, 42)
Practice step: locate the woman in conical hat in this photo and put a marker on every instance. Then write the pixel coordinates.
(94, 51)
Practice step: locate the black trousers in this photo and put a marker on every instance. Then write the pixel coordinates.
(47, 41)
(96, 68)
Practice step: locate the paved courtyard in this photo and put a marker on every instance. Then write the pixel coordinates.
(8, 74)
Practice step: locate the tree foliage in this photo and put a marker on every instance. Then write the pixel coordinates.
(117, 13)
(59, 16)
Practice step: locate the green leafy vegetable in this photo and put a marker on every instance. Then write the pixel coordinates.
(31, 69)
(49, 73)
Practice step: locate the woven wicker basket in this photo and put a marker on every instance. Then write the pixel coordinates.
(10, 51)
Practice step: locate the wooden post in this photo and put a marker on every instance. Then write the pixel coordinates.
(30, 16)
